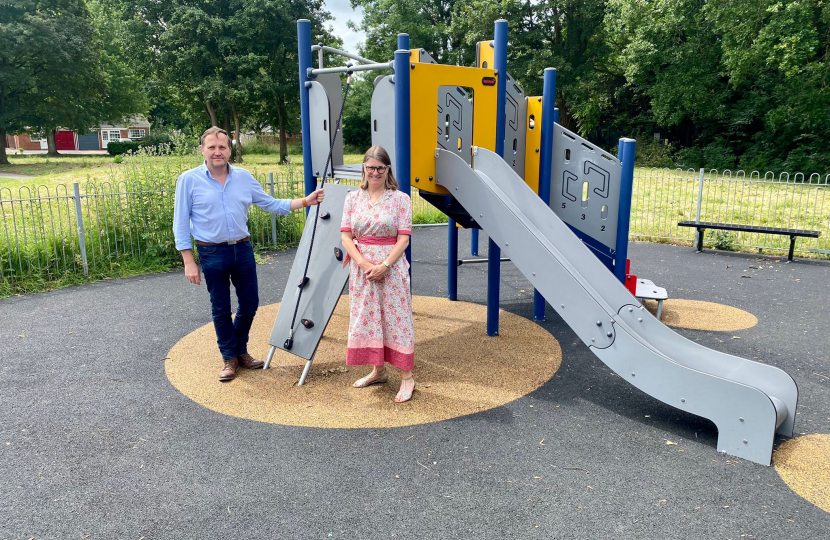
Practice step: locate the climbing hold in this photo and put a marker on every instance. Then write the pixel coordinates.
(307, 323)
(338, 254)
(325, 215)
(303, 283)
(288, 344)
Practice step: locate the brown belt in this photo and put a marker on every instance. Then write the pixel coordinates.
(232, 242)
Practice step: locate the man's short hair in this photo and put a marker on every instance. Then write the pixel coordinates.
(214, 131)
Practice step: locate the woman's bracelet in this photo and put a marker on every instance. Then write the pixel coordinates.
(386, 264)
(305, 202)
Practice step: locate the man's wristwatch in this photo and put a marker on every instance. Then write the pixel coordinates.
(387, 265)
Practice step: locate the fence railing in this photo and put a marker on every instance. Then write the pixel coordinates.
(662, 198)
(51, 233)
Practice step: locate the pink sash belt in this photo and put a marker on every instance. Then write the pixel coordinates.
(371, 241)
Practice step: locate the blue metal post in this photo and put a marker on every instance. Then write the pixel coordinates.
(474, 242)
(305, 59)
(626, 154)
(546, 163)
(403, 41)
(403, 147)
(452, 261)
(493, 250)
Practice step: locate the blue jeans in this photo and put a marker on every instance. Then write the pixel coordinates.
(221, 266)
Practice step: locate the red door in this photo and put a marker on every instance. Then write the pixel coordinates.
(65, 140)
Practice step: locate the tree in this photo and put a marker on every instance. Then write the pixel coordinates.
(36, 39)
(243, 61)
(566, 34)
(57, 71)
(751, 94)
(428, 23)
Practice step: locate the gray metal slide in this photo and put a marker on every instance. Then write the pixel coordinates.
(748, 401)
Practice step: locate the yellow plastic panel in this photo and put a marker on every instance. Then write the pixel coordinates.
(485, 53)
(533, 142)
(423, 87)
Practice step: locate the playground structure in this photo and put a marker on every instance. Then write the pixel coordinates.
(555, 204)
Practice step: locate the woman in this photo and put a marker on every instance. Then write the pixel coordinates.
(377, 223)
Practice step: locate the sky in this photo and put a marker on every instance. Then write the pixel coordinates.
(342, 12)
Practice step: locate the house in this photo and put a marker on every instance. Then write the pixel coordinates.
(25, 141)
(134, 129)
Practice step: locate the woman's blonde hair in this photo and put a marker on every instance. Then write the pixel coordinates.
(378, 153)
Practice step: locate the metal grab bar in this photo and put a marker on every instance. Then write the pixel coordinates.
(345, 69)
(326, 48)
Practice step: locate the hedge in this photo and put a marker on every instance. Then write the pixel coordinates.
(117, 148)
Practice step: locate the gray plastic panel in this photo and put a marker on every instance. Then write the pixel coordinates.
(320, 127)
(326, 274)
(425, 58)
(576, 162)
(455, 121)
(515, 126)
(334, 90)
(745, 399)
(383, 118)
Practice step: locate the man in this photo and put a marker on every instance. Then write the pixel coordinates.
(211, 205)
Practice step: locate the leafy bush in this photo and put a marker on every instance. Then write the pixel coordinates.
(118, 148)
(651, 153)
(723, 240)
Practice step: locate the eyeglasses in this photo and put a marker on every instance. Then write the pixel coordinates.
(380, 169)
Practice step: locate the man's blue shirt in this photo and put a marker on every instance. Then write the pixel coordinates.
(213, 213)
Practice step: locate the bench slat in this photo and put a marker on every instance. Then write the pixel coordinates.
(750, 228)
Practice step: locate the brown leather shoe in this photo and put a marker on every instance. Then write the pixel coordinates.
(228, 373)
(249, 362)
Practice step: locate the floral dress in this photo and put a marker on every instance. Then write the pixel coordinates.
(380, 316)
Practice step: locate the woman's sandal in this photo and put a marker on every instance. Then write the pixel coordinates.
(368, 380)
(404, 396)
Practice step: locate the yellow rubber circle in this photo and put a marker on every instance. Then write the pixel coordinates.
(804, 465)
(698, 315)
(458, 370)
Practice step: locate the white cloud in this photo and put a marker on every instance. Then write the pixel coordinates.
(342, 12)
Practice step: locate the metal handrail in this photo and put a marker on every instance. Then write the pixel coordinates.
(348, 69)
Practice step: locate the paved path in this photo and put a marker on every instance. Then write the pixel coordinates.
(14, 176)
(95, 441)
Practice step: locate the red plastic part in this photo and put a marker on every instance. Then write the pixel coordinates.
(630, 280)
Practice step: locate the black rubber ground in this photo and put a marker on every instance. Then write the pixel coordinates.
(95, 441)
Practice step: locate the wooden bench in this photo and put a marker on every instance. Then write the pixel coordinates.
(792, 233)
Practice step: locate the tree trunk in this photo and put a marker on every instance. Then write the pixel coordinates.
(226, 125)
(566, 119)
(283, 142)
(50, 143)
(236, 134)
(211, 110)
(4, 159)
